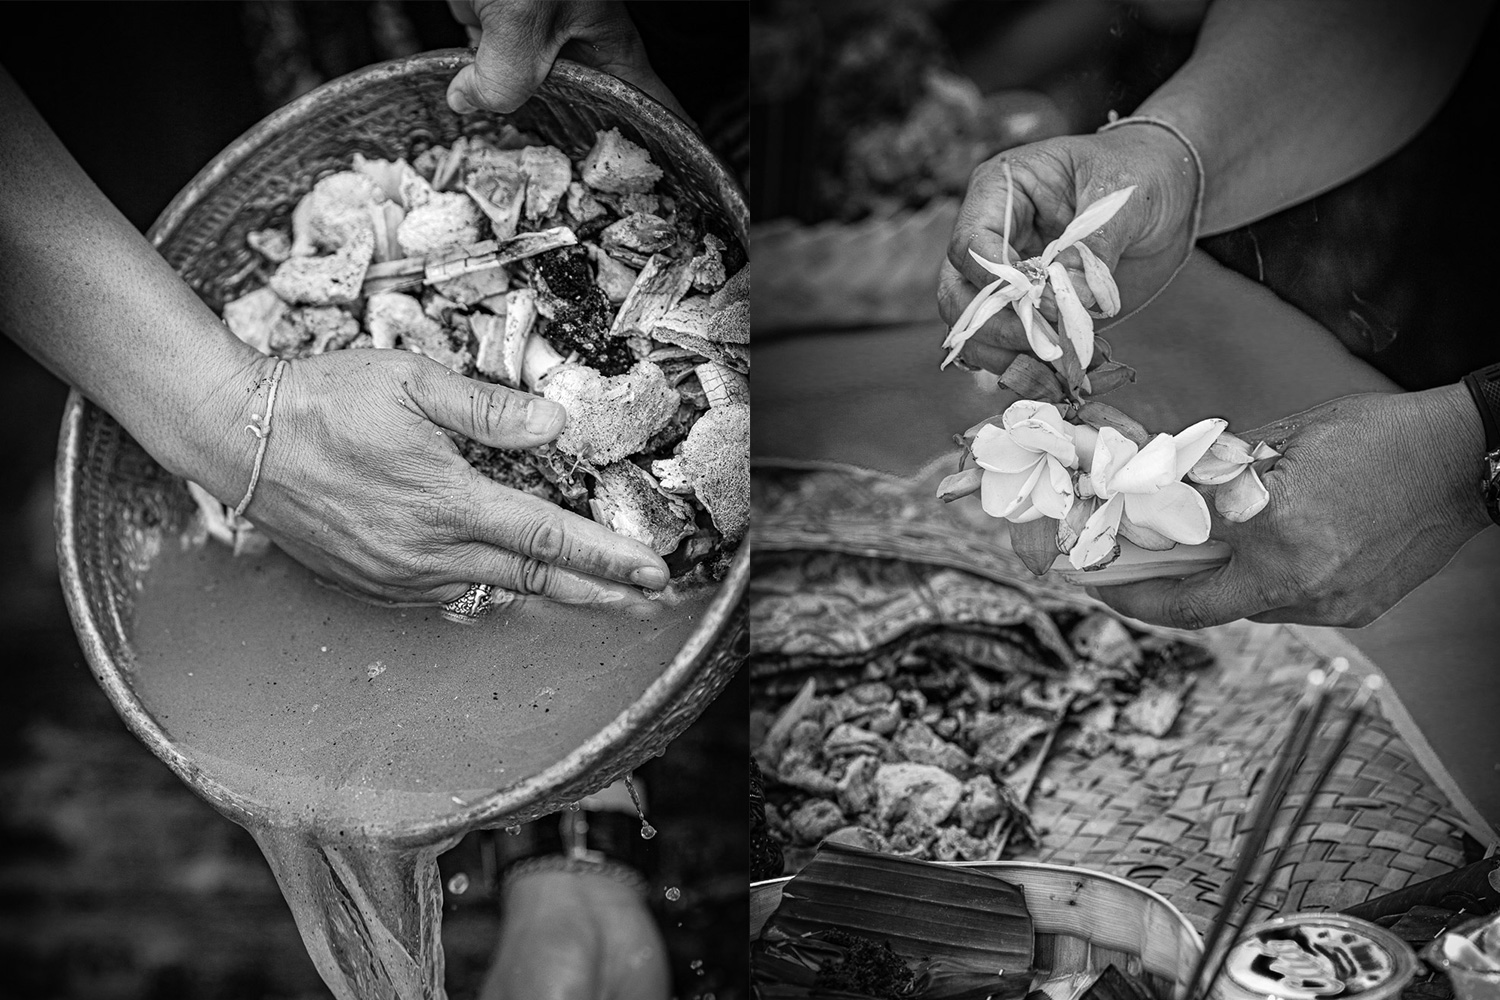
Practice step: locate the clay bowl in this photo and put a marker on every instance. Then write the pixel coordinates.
(117, 511)
(1084, 920)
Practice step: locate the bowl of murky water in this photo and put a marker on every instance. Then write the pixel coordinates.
(356, 741)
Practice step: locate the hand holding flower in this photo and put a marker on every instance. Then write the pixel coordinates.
(1373, 495)
(1049, 183)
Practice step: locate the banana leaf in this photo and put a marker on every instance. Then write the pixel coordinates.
(961, 933)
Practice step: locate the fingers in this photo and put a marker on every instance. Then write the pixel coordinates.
(983, 212)
(1002, 332)
(477, 563)
(487, 413)
(547, 534)
(519, 40)
(517, 45)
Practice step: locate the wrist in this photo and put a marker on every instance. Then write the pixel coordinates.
(1457, 440)
(1167, 167)
(197, 428)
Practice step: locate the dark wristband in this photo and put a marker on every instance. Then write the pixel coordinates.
(1484, 386)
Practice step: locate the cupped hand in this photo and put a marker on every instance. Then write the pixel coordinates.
(519, 40)
(1373, 494)
(1052, 181)
(576, 936)
(362, 484)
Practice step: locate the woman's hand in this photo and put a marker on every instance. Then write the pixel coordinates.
(576, 936)
(1373, 494)
(519, 40)
(362, 484)
(1143, 244)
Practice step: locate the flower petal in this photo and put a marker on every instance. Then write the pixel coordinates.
(1151, 541)
(1211, 471)
(1039, 437)
(1005, 493)
(1053, 494)
(1005, 272)
(1023, 410)
(1085, 441)
(996, 450)
(1026, 515)
(1070, 527)
(1263, 451)
(1087, 221)
(1153, 467)
(1041, 346)
(1194, 441)
(1097, 539)
(1100, 281)
(1232, 448)
(1242, 498)
(1111, 451)
(979, 299)
(1176, 510)
(1075, 319)
(993, 304)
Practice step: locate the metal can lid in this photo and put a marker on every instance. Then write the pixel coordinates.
(1316, 956)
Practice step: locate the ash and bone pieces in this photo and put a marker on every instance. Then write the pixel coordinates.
(390, 254)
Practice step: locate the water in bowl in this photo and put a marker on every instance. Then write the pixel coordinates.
(338, 722)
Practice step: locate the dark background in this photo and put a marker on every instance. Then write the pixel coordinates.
(115, 880)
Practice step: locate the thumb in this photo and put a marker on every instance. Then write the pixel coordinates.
(489, 414)
(512, 61)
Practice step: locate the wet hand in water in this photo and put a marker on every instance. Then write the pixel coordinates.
(1053, 179)
(362, 484)
(1373, 495)
(518, 40)
(576, 936)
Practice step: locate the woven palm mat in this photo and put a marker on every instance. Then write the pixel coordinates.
(1174, 822)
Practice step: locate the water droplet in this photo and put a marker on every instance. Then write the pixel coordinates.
(696, 965)
(647, 830)
(514, 830)
(458, 884)
(673, 894)
(574, 806)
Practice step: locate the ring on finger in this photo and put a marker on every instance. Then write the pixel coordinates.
(478, 599)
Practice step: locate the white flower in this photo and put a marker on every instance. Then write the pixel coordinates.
(1143, 485)
(1026, 462)
(1228, 465)
(1021, 285)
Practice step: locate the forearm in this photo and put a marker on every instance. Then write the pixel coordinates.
(1287, 98)
(87, 296)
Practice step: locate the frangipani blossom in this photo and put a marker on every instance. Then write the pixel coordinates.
(1026, 462)
(1228, 465)
(1021, 286)
(1143, 485)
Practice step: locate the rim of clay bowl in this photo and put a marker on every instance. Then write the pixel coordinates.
(613, 740)
(1045, 866)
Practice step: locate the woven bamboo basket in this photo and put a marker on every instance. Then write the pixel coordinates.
(1084, 921)
(111, 495)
